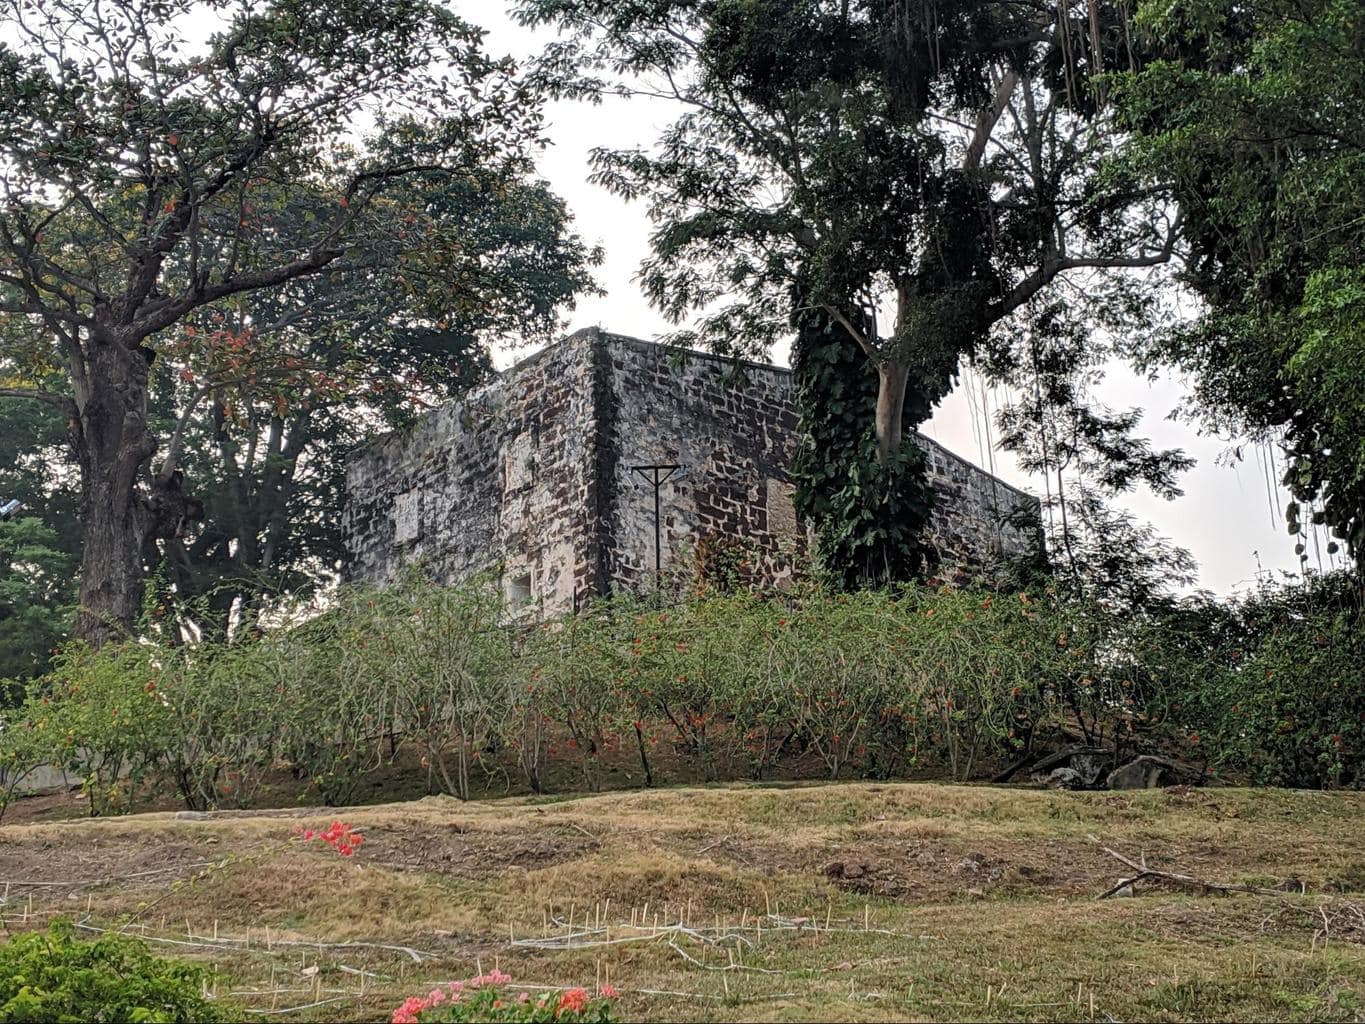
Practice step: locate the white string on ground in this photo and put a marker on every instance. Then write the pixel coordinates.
(298, 1009)
(233, 943)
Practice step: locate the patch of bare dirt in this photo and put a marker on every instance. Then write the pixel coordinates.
(934, 870)
(470, 853)
(71, 857)
(929, 869)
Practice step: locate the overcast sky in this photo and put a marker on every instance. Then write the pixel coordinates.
(1227, 517)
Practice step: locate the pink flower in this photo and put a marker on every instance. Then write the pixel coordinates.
(609, 992)
(407, 1013)
(523, 997)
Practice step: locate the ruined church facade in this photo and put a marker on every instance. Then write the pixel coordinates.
(545, 473)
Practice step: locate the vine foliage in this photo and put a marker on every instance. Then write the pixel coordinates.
(869, 516)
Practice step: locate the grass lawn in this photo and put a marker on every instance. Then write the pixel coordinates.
(808, 902)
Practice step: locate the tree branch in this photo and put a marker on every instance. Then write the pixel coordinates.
(987, 119)
(860, 337)
(1040, 278)
(165, 314)
(51, 398)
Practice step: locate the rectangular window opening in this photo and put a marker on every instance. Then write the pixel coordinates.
(519, 590)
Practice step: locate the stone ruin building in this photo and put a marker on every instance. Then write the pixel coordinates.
(549, 472)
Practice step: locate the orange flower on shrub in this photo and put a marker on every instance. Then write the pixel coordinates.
(573, 1000)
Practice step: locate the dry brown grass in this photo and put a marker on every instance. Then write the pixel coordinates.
(942, 902)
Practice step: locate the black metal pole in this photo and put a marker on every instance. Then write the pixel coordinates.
(656, 475)
(658, 563)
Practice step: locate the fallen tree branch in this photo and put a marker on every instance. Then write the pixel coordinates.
(1143, 872)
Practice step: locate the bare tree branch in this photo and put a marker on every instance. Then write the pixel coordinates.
(51, 398)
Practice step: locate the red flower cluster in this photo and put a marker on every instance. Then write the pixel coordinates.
(572, 1001)
(480, 996)
(338, 835)
(414, 1005)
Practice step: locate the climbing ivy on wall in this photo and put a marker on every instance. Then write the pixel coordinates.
(869, 517)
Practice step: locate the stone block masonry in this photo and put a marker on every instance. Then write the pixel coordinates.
(535, 473)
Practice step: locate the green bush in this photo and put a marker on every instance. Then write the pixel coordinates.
(930, 680)
(51, 976)
(443, 671)
(1283, 698)
(106, 719)
(22, 750)
(331, 719)
(221, 714)
(576, 678)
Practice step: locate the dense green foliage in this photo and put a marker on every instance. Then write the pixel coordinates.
(868, 516)
(1286, 705)
(37, 559)
(163, 173)
(930, 681)
(53, 977)
(1252, 121)
(35, 596)
(918, 175)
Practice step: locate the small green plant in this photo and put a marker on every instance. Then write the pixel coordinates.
(487, 998)
(53, 976)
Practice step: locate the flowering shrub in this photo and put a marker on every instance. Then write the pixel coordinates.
(488, 998)
(338, 835)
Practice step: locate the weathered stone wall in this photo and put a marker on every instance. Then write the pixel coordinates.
(978, 518)
(536, 472)
(501, 478)
(734, 440)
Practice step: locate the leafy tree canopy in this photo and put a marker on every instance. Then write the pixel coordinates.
(164, 159)
(1252, 118)
(40, 543)
(915, 173)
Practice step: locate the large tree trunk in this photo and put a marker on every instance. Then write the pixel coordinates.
(893, 378)
(113, 446)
